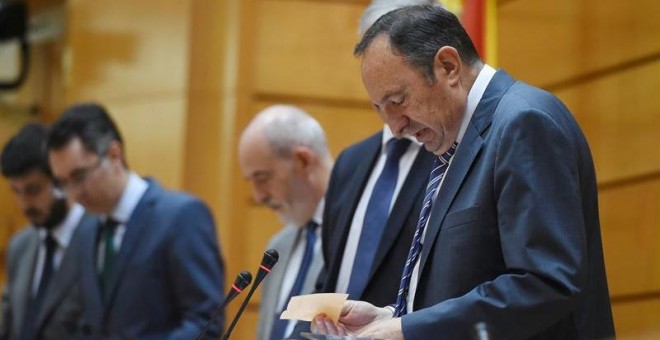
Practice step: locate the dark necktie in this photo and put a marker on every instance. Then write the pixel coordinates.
(440, 166)
(279, 326)
(375, 218)
(36, 302)
(109, 254)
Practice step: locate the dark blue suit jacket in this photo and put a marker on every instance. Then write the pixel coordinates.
(347, 181)
(168, 277)
(514, 236)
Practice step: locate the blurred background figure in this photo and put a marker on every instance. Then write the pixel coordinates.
(284, 155)
(38, 302)
(152, 266)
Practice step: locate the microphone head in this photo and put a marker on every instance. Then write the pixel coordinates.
(271, 256)
(243, 280)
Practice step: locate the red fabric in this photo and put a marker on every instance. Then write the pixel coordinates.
(473, 18)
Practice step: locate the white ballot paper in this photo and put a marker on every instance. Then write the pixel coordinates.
(306, 307)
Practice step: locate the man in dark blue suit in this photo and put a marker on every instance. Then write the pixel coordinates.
(152, 268)
(509, 234)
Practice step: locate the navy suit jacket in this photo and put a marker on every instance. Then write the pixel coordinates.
(167, 279)
(347, 181)
(514, 237)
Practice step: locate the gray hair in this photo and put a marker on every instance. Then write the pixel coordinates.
(288, 126)
(379, 7)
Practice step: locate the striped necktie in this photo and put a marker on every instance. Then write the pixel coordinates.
(440, 166)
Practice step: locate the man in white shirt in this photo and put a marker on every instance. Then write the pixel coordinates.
(284, 155)
(38, 301)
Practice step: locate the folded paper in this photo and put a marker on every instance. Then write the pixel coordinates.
(306, 307)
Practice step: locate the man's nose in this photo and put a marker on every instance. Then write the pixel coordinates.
(396, 121)
(260, 196)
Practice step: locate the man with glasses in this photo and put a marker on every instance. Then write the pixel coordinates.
(152, 267)
(38, 301)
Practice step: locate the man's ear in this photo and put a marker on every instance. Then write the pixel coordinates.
(115, 151)
(447, 65)
(303, 159)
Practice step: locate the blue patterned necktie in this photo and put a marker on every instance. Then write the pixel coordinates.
(375, 217)
(279, 325)
(440, 166)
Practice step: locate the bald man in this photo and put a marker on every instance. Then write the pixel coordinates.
(284, 155)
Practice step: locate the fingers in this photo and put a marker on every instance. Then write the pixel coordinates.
(324, 325)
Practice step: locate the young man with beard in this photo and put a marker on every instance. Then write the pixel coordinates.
(41, 264)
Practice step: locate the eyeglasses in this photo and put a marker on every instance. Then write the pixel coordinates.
(80, 175)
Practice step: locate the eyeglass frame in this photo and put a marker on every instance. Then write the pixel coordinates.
(79, 176)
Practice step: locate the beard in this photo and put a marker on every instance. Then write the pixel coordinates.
(56, 214)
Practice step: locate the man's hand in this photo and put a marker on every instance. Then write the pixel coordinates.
(358, 318)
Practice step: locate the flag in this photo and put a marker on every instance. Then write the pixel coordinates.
(479, 17)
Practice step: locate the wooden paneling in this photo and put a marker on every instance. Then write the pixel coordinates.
(132, 57)
(153, 133)
(306, 48)
(631, 238)
(127, 50)
(544, 42)
(637, 320)
(621, 120)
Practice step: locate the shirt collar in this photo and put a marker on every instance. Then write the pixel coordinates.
(135, 189)
(388, 135)
(318, 213)
(474, 96)
(63, 232)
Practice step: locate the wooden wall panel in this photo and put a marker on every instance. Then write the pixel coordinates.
(620, 120)
(153, 134)
(545, 42)
(637, 320)
(132, 57)
(305, 48)
(127, 50)
(631, 238)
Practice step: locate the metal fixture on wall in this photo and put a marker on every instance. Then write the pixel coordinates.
(13, 28)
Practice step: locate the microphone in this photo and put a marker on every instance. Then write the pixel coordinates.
(243, 279)
(267, 263)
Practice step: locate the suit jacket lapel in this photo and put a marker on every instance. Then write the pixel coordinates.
(65, 277)
(287, 242)
(355, 188)
(466, 153)
(89, 273)
(406, 200)
(139, 220)
(25, 276)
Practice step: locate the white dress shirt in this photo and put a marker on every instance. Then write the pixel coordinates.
(295, 260)
(135, 189)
